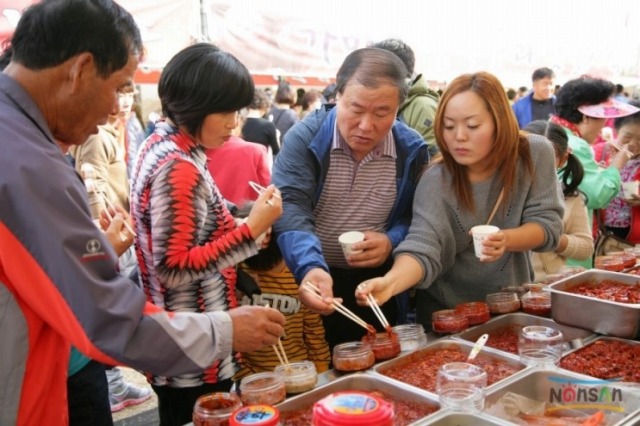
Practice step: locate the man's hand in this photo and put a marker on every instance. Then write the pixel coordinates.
(255, 327)
(376, 249)
(321, 279)
(115, 230)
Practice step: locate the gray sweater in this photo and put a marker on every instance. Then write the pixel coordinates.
(439, 234)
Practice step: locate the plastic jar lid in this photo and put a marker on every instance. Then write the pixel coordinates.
(255, 415)
(352, 408)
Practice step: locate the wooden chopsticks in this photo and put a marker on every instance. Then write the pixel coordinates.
(337, 306)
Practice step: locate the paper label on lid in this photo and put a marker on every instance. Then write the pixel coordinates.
(353, 404)
(255, 414)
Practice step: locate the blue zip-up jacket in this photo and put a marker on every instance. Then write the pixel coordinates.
(522, 109)
(300, 171)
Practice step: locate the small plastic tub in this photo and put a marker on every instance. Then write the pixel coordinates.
(384, 345)
(503, 303)
(628, 259)
(352, 408)
(476, 312)
(262, 389)
(448, 321)
(537, 301)
(609, 263)
(410, 336)
(255, 415)
(298, 376)
(353, 356)
(214, 409)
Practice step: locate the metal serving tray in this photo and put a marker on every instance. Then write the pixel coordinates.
(601, 316)
(548, 386)
(465, 347)
(601, 338)
(574, 337)
(359, 381)
(449, 418)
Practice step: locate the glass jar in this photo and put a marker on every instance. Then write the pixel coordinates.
(353, 356)
(476, 312)
(255, 415)
(503, 303)
(517, 289)
(214, 409)
(609, 263)
(298, 376)
(410, 336)
(384, 345)
(537, 301)
(262, 389)
(448, 321)
(352, 408)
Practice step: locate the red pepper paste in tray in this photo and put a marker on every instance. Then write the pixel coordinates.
(614, 291)
(420, 369)
(606, 359)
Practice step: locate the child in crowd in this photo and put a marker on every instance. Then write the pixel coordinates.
(276, 286)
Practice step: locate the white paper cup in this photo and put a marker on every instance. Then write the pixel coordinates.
(479, 233)
(348, 239)
(629, 189)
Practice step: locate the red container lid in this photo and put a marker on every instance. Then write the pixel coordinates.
(352, 408)
(255, 415)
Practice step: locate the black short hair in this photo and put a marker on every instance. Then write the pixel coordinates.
(541, 73)
(402, 50)
(200, 80)
(52, 31)
(286, 94)
(578, 92)
(372, 67)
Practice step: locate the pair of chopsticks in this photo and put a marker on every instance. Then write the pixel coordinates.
(111, 206)
(279, 350)
(337, 306)
(260, 189)
(376, 310)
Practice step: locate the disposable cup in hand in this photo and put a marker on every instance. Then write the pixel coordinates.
(348, 239)
(479, 234)
(629, 189)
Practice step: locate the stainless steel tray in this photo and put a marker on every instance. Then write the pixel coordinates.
(449, 418)
(601, 338)
(601, 316)
(574, 337)
(359, 381)
(405, 360)
(548, 385)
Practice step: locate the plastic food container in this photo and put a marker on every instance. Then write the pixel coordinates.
(628, 259)
(503, 303)
(353, 356)
(262, 389)
(255, 415)
(476, 312)
(609, 263)
(537, 301)
(410, 336)
(448, 321)
(352, 408)
(384, 345)
(214, 409)
(298, 376)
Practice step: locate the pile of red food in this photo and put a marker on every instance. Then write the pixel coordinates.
(420, 369)
(405, 412)
(606, 359)
(609, 290)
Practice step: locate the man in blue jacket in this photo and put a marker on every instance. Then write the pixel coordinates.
(353, 167)
(537, 105)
